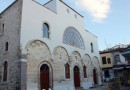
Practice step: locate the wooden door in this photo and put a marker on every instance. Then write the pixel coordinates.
(94, 76)
(76, 76)
(44, 77)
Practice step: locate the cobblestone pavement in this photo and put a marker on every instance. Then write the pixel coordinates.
(105, 87)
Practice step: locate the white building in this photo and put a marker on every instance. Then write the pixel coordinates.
(46, 47)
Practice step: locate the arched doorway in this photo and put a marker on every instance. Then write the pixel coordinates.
(76, 76)
(95, 76)
(44, 77)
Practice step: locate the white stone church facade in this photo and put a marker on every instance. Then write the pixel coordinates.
(46, 47)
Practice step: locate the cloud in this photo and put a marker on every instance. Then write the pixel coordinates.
(98, 9)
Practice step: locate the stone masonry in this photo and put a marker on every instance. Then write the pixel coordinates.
(11, 18)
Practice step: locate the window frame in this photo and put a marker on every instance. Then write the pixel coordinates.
(3, 28)
(5, 79)
(92, 47)
(46, 33)
(67, 71)
(85, 71)
(104, 60)
(109, 60)
(72, 37)
(117, 58)
(6, 46)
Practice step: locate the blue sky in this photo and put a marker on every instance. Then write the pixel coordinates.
(111, 25)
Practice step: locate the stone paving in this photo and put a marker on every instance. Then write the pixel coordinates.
(99, 88)
(105, 87)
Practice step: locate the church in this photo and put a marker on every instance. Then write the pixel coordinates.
(46, 47)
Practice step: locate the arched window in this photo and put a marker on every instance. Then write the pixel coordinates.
(67, 71)
(6, 46)
(5, 71)
(84, 71)
(3, 26)
(72, 37)
(45, 30)
(92, 48)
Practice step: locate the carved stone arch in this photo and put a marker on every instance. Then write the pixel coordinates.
(37, 52)
(37, 49)
(96, 64)
(76, 56)
(87, 61)
(60, 54)
(76, 64)
(50, 75)
(31, 41)
(83, 64)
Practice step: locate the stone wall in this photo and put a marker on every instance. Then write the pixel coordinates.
(24, 68)
(11, 18)
(60, 59)
(38, 53)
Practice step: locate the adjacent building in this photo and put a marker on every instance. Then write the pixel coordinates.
(126, 54)
(107, 65)
(115, 63)
(46, 47)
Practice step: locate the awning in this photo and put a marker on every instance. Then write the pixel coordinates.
(126, 53)
(128, 67)
(118, 68)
